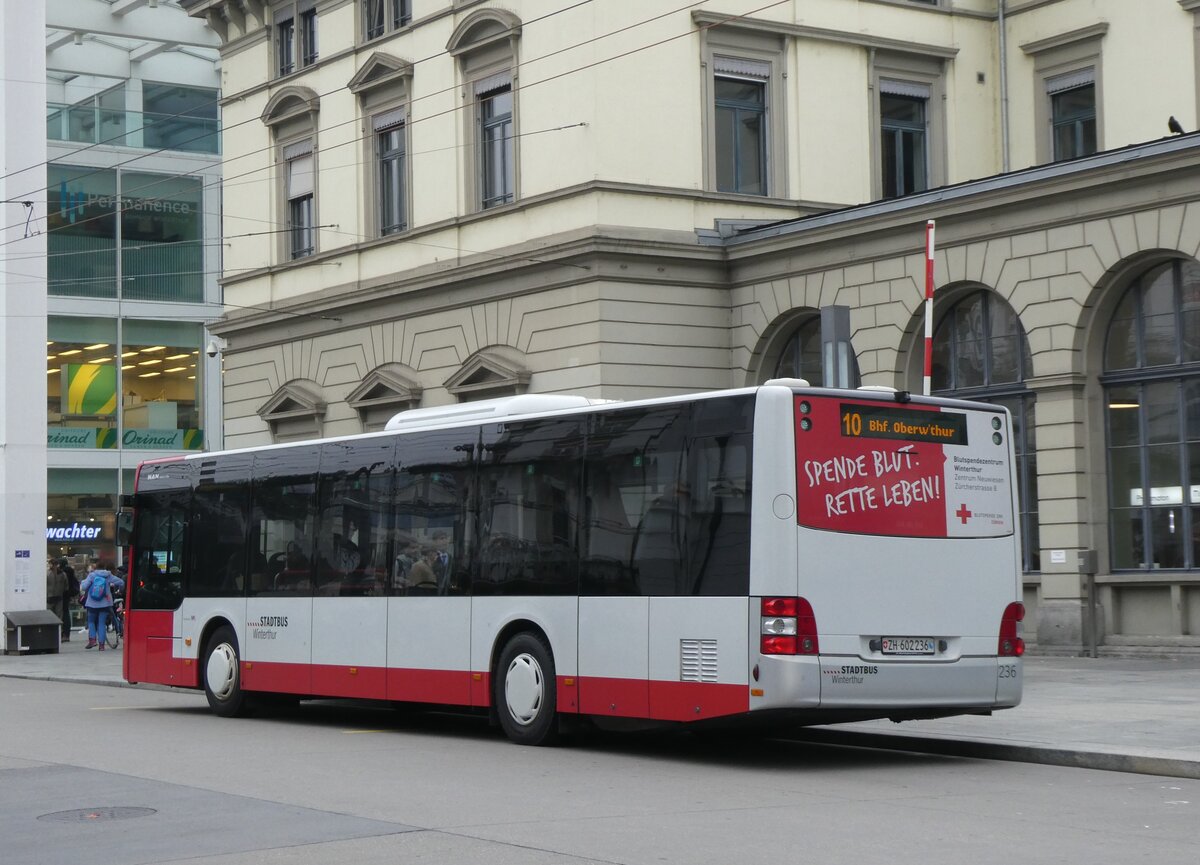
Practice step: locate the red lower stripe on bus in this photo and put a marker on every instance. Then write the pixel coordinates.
(662, 701)
(448, 687)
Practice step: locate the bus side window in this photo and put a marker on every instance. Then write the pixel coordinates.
(218, 540)
(433, 543)
(529, 497)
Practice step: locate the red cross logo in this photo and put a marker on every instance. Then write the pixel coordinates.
(963, 514)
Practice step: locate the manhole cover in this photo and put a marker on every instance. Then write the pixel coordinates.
(91, 815)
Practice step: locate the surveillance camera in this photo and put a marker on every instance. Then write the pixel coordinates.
(212, 349)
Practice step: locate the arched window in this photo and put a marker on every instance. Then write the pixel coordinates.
(801, 355)
(1152, 408)
(980, 352)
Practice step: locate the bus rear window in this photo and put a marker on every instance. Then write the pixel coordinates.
(912, 470)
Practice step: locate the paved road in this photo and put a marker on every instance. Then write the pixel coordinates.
(122, 776)
(1138, 715)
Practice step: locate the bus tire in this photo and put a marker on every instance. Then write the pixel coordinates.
(223, 674)
(525, 691)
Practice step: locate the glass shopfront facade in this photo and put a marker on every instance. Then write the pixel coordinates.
(154, 366)
(139, 231)
(81, 514)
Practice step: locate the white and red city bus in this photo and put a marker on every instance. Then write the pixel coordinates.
(796, 554)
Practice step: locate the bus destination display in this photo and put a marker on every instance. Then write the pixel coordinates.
(890, 422)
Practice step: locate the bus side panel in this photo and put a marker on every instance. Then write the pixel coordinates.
(147, 632)
(429, 650)
(773, 515)
(276, 640)
(614, 656)
(558, 619)
(698, 658)
(349, 647)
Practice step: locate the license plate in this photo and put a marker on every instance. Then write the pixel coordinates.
(909, 646)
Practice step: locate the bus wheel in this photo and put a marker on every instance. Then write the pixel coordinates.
(526, 691)
(222, 674)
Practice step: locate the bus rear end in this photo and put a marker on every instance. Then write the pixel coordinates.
(892, 589)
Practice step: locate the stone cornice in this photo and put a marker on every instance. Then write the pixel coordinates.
(801, 31)
(1093, 31)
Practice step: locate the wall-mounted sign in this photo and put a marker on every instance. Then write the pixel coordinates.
(73, 532)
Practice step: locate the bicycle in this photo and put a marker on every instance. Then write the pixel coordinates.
(115, 628)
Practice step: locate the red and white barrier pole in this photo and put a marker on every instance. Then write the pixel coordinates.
(928, 306)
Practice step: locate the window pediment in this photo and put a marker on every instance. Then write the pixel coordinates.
(489, 373)
(380, 70)
(483, 28)
(391, 384)
(290, 103)
(300, 398)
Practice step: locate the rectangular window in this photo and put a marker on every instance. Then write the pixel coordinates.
(300, 199)
(373, 20)
(285, 45)
(741, 129)
(401, 12)
(176, 117)
(496, 145)
(390, 133)
(904, 150)
(1073, 121)
(308, 37)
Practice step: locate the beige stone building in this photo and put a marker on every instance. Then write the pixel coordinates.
(431, 201)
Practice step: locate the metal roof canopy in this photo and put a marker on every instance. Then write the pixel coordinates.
(108, 38)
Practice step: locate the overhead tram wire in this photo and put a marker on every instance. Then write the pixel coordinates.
(164, 178)
(330, 227)
(218, 101)
(268, 148)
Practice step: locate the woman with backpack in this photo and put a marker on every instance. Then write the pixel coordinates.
(97, 599)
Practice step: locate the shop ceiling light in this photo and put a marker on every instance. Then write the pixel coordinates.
(96, 346)
(178, 356)
(148, 362)
(149, 374)
(175, 369)
(153, 348)
(70, 352)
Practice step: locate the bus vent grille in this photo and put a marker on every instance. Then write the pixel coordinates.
(697, 660)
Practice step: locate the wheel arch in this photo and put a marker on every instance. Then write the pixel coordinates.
(510, 630)
(210, 627)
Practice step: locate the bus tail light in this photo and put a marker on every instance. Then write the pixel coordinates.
(788, 627)
(1011, 645)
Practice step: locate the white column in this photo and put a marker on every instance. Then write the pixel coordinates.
(22, 307)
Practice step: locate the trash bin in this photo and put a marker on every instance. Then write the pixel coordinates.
(31, 631)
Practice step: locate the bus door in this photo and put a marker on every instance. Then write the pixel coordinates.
(277, 647)
(154, 586)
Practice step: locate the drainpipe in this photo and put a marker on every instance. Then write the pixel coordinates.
(1003, 90)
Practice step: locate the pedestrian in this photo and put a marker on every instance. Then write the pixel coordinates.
(70, 595)
(56, 586)
(96, 592)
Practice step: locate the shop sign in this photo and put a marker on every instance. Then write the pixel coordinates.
(90, 438)
(73, 532)
(164, 439)
(81, 437)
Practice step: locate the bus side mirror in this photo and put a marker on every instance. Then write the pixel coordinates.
(124, 528)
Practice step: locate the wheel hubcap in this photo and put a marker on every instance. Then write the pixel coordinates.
(221, 672)
(524, 689)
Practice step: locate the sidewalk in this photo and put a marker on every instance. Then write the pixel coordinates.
(1126, 715)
